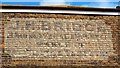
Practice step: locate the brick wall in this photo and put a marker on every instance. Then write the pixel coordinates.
(62, 39)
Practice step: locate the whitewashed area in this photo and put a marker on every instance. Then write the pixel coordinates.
(61, 39)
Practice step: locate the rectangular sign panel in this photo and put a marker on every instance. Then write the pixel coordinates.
(49, 38)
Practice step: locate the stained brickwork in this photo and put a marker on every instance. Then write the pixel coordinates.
(56, 39)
